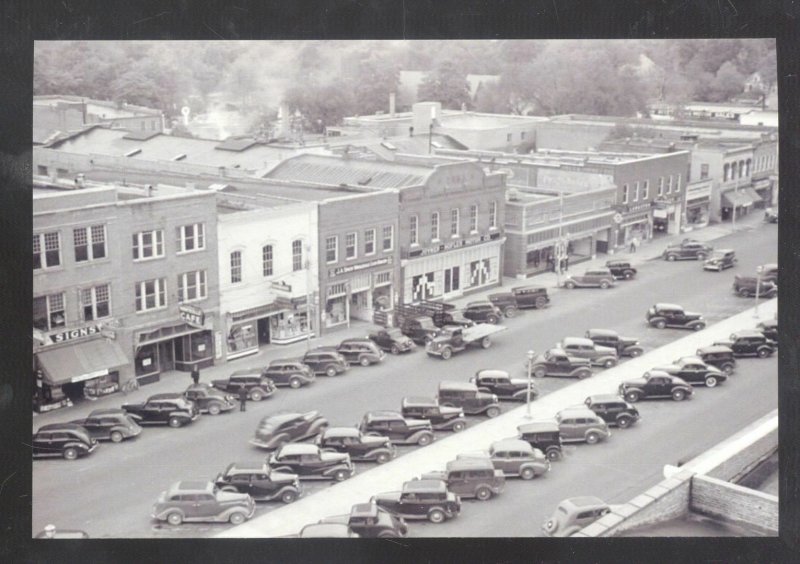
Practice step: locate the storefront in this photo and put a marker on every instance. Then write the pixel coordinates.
(357, 291)
(583, 239)
(666, 217)
(637, 225)
(248, 329)
(763, 188)
(451, 269)
(740, 200)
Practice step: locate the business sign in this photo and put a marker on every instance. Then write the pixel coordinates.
(192, 315)
(451, 245)
(617, 218)
(90, 375)
(356, 267)
(74, 334)
(280, 286)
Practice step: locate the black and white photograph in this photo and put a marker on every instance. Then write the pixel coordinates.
(394, 288)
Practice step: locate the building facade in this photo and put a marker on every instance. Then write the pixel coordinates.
(765, 171)
(730, 167)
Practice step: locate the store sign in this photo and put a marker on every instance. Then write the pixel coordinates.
(192, 315)
(356, 267)
(90, 375)
(618, 218)
(457, 244)
(73, 334)
(281, 286)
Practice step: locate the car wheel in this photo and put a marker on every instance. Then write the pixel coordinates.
(711, 381)
(340, 475)
(609, 363)
(592, 438)
(116, 437)
(540, 302)
(425, 439)
(446, 353)
(569, 285)
(70, 453)
(635, 352)
(554, 455)
(395, 349)
(581, 374)
(330, 371)
(701, 256)
(660, 324)
(256, 395)
(744, 293)
(459, 426)
(671, 258)
(174, 518)
(364, 361)
(214, 409)
(174, 422)
(699, 326)
(486, 342)
(492, 319)
(511, 312)
(288, 496)
(539, 372)
(604, 285)
(295, 382)
(527, 474)
(763, 353)
(628, 275)
(237, 518)
(483, 493)
(632, 397)
(623, 422)
(678, 395)
(383, 457)
(436, 515)
(493, 412)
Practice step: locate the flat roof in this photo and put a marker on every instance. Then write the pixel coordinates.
(334, 170)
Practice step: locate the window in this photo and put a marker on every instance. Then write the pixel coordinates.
(413, 230)
(492, 214)
(369, 241)
(90, 243)
(148, 244)
(522, 135)
(297, 255)
(703, 171)
(473, 218)
(669, 184)
(192, 286)
(266, 260)
(508, 137)
(350, 246)
(636, 191)
(388, 237)
(435, 226)
(645, 189)
(677, 183)
(41, 170)
(624, 193)
(95, 302)
(51, 257)
(151, 294)
(747, 167)
(191, 238)
(725, 170)
(454, 222)
(331, 249)
(660, 185)
(236, 267)
(48, 312)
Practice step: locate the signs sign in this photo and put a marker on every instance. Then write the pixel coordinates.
(192, 315)
(356, 267)
(73, 334)
(281, 286)
(450, 245)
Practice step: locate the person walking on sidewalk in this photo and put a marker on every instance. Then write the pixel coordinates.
(634, 244)
(195, 375)
(242, 399)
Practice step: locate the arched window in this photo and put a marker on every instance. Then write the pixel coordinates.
(725, 171)
(741, 169)
(747, 167)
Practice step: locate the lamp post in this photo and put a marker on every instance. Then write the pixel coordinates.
(759, 270)
(530, 355)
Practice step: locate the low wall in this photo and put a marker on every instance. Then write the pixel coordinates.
(735, 504)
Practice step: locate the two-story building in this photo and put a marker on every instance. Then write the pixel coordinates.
(765, 170)
(729, 164)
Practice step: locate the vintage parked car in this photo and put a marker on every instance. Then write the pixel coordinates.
(625, 346)
(663, 315)
(695, 372)
(276, 430)
(542, 435)
(360, 351)
(515, 458)
(441, 417)
(655, 384)
(501, 384)
(555, 362)
(769, 327)
(325, 360)
(258, 385)
(259, 481)
(359, 446)
(745, 286)
(66, 440)
(194, 500)
(520, 297)
(420, 329)
(470, 477)
(50, 532)
(397, 428)
(580, 424)
(719, 356)
(592, 278)
(483, 312)
(165, 409)
(582, 347)
(613, 410)
(309, 462)
(392, 340)
(687, 250)
(421, 499)
(113, 425)
(369, 520)
(720, 260)
(209, 399)
(467, 396)
(749, 342)
(289, 372)
(771, 215)
(326, 531)
(574, 514)
(769, 272)
(621, 269)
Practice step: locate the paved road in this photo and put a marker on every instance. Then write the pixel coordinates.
(110, 494)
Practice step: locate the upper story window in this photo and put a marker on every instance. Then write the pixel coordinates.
(508, 137)
(492, 214)
(95, 302)
(747, 164)
(46, 250)
(90, 243)
(703, 171)
(151, 294)
(148, 244)
(454, 222)
(388, 237)
(660, 185)
(669, 184)
(236, 267)
(266, 260)
(331, 249)
(645, 189)
(192, 286)
(350, 240)
(369, 242)
(413, 229)
(473, 218)
(636, 191)
(297, 255)
(49, 312)
(191, 237)
(677, 183)
(726, 171)
(435, 226)
(624, 193)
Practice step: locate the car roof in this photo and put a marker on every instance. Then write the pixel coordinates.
(664, 305)
(364, 510)
(298, 448)
(382, 414)
(167, 396)
(280, 418)
(325, 349)
(577, 411)
(246, 467)
(660, 373)
(456, 385)
(419, 400)
(723, 251)
(557, 350)
(341, 432)
(492, 372)
(714, 349)
(285, 361)
(690, 358)
(532, 288)
(327, 530)
(469, 464)
(604, 398)
(425, 486)
(538, 427)
(748, 333)
(248, 371)
(770, 266)
(617, 261)
(583, 501)
(62, 427)
(109, 411)
(602, 332)
(512, 444)
(192, 485)
(581, 341)
(598, 270)
(479, 303)
(359, 340)
(769, 323)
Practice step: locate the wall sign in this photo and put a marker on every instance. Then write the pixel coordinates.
(332, 272)
(73, 334)
(281, 286)
(456, 244)
(192, 315)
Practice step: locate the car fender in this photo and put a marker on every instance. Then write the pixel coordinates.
(277, 440)
(656, 318)
(318, 426)
(180, 415)
(288, 487)
(331, 470)
(523, 394)
(75, 444)
(162, 515)
(414, 437)
(121, 429)
(526, 465)
(376, 451)
(226, 514)
(604, 358)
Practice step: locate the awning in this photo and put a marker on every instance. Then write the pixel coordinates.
(81, 361)
(736, 199)
(752, 194)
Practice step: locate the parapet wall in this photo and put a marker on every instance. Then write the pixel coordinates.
(734, 504)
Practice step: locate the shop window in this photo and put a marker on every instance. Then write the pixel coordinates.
(191, 237)
(435, 226)
(413, 230)
(49, 312)
(350, 246)
(90, 243)
(452, 279)
(148, 244)
(480, 272)
(741, 169)
(192, 286)
(492, 214)
(747, 167)
(422, 287)
(95, 302)
(331, 249)
(388, 237)
(242, 337)
(473, 218)
(297, 255)
(454, 222)
(369, 242)
(51, 257)
(236, 267)
(508, 137)
(151, 294)
(266, 260)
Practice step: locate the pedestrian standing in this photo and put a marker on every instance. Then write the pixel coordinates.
(242, 399)
(195, 375)
(566, 264)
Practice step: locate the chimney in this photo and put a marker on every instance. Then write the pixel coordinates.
(392, 100)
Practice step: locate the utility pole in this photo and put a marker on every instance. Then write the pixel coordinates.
(530, 356)
(561, 246)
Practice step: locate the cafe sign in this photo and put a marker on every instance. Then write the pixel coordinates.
(73, 334)
(356, 267)
(192, 315)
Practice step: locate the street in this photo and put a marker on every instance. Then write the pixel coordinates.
(110, 493)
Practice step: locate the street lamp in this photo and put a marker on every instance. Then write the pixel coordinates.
(530, 355)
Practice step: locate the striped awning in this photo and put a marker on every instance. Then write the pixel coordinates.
(81, 361)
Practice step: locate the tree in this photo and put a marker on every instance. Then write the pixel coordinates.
(321, 106)
(445, 84)
(373, 76)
